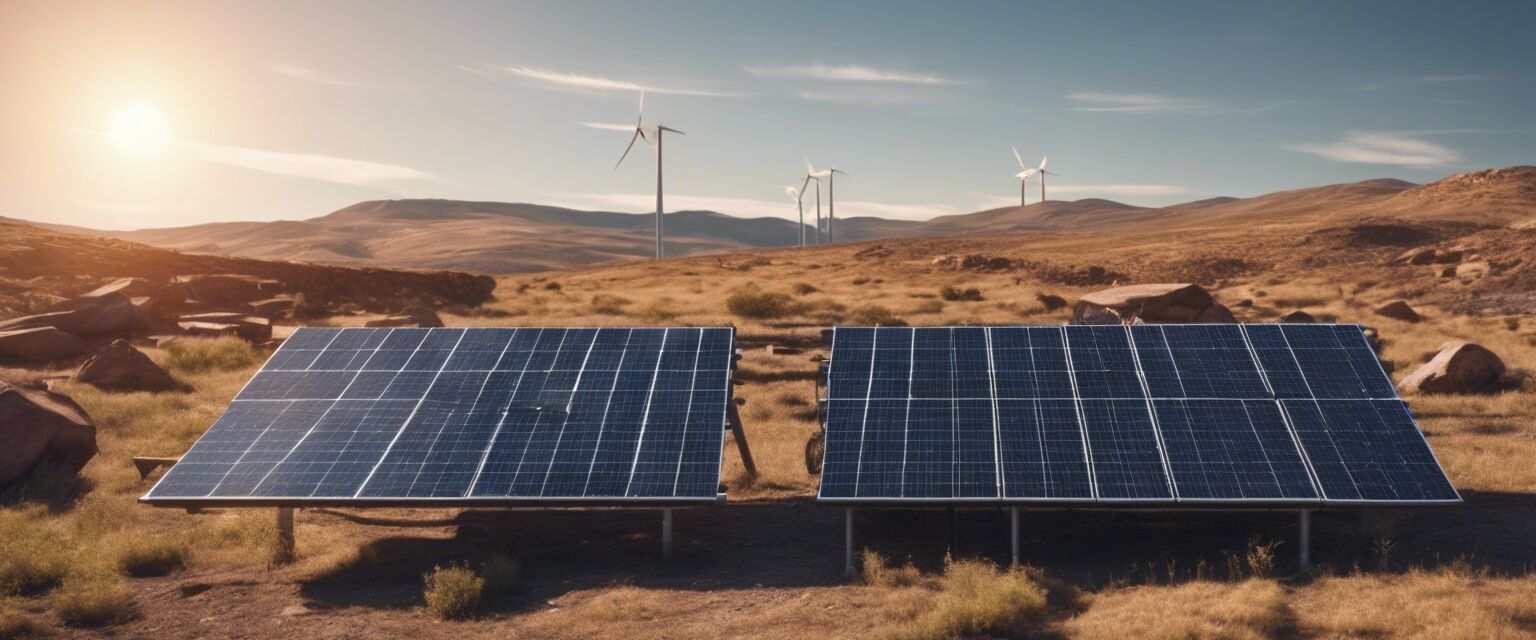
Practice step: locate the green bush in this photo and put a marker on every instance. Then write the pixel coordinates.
(760, 305)
(197, 355)
(453, 592)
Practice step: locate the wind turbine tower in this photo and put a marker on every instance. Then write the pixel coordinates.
(1024, 175)
(652, 136)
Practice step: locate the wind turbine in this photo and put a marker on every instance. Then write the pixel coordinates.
(810, 174)
(1024, 175)
(1043, 174)
(642, 132)
(798, 195)
(831, 176)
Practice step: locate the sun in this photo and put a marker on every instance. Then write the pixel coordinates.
(140, 130)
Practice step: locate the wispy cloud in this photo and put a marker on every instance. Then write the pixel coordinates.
(870, 95)
(848, 73)
(578, 82)
(386, 177)
(311, 75)
(1137, 102)
(1448, 79)
(1382, 147)
(744, 207)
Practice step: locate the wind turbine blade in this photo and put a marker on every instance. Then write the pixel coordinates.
(1049, 172)
(626, 149)
(809, 170)
(667, 128)
(836, 170)
(1042, 162)
(608, 126)
(640, 110)
(1026, 173)
(1018, 157)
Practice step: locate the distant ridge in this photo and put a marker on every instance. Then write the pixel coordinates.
(502, 237)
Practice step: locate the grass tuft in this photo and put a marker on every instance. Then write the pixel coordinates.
(759, 305)
(609, 304)
(150, 556)
(873, 315)
(453, 592)
(31, 559)
(94, 599)
(877, 572)
(198, 355)
(16, 622)
(977, 599)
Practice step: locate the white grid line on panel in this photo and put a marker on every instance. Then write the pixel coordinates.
(602, 425)
(997, 437)
(646, 417)
(570, 403)
(1077, 401)
(505, 411)
(1157, 430)
(693, 380)
(412, 415)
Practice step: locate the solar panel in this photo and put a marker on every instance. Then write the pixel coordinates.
(475, 415)
(1144, 414)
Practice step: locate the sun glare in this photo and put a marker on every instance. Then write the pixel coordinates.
(140, 130)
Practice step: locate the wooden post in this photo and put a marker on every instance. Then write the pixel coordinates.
(1306, 540)
(848, 543)
(740, 435)
(285, 539)
(666, 535)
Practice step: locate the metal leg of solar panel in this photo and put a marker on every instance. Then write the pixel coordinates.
(848, 542)
(666, 535)
(285, 540)
(1013, 518)
(740, 435)
(1306, 540)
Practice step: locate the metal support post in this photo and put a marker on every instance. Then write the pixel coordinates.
(666, 535)
(848, 543)
(1013, 517)
(1306, 540)
(285, 539)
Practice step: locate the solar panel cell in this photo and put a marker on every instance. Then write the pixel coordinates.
(1231, 450)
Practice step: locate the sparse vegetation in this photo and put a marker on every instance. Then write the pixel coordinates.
(609, 304)
(954, 294)
(804, 289)
(16, 622)
(94, 599)
(875, 315)
(198, 355)
(759, 305)
(977, 599)
(877, 572)
(453, 592)
(145, 556)
(31, 560)
(503, 576)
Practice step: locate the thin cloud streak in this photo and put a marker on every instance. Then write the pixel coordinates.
(1445, 79)
(311, 75)
(848, 73)
(744, 207)
(577, 82)
(1382, 147)
(378, 175)
(1099, 101)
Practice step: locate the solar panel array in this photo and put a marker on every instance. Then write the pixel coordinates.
(481, 414)
(1206, 413)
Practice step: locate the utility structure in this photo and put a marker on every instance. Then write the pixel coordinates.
(652, 136)
(831, 175)
(1041, 169)
(798, 195)
(1023, 175)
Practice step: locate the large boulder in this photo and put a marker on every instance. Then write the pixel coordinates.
(1297, 317)
(273, 307)
(110, 315)
(1397, 310)
(40, 344)
(1154, 303)
(1421, 255)
(120, 367)
(226, 288)
(1459, 367)
(424, 315)
(252, 328)
(38, 426)
(130, 287)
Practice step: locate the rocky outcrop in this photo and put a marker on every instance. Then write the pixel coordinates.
(40, 344)
(120, 367)
(1459, 367)
(273, 307)
(1420, 256)
(111, 315)
(424, 315)
(39, 426)
(1153, 303)
(254, 329)
(1298, 317)
(1397, 310)
(227, 289)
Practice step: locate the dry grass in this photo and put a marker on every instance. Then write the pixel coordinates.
(976, 599)
(194, 355)
(1253, 609)
(1455, 601)
(454, 592)
(149, 556)
(17, 622)
(31, 560)
(94, 599)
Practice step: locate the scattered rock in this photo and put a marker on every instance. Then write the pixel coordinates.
(392, 321)
(40, 344)
(253, 329)
(424, 315)
(1459, 367)
(36, 426)
(1451, 256)
(875, 252)
(1245, 303)
(1472, 270)
(1051, 301)
(1098, 315)
(1398, 310)
(1373, 338)
(226, 288)
(1154, 303)
(1448, 272)
(1422, 255)
(273, 307)
(120, 367)
(1297, 317)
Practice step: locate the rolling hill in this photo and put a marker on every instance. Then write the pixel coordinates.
(496, 237)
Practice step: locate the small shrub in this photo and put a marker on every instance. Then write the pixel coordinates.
(521, 287)
(804, 289)
(929, 306)
(304, 309)
(752, 303)
(15, 622)
(978, 600)
(954, 294)
(94, 600)
(879, 573)
(551, 286)
(31, 560)
(198, 355)
(657, 312)
(453, 593)
(860, 281)
(502, 574)
(149, 556)
(609, 304)
(875, 314)
(1261, 558)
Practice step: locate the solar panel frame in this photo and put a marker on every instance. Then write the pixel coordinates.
(723, 365)
(1365, 377)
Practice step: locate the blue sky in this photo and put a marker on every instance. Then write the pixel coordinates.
(291, 110)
